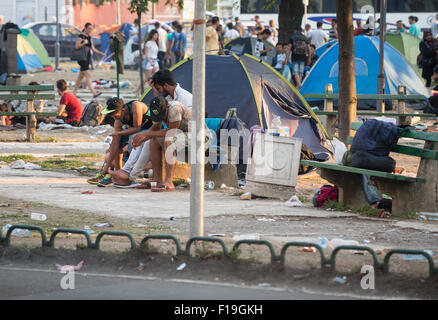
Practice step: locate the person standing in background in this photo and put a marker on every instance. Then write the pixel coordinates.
(274, 32)
(239, 26)
(400, 26)
(212, 38)
(220, 34)
(429, 50)
(162, 45)
(231, 33)
(334, 30)
(318, 37)
(84, 40)
(414, 29)
(182, 43)
(308, 30)
(171, 42)
(435, 27)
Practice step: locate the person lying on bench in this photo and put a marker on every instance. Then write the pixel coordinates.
(69, 109)
(21, 106)
(129, 119)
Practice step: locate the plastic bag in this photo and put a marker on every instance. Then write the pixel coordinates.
(340, 149)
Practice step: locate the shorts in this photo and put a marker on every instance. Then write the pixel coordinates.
(151, 65)
(298, 67)
(85, 65)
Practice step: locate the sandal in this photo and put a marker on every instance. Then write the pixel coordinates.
(162, 188)
(146, 185)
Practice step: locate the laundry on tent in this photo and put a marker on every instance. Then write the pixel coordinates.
(242, 45)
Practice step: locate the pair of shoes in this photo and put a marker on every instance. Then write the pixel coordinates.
(97, 94)
(97, 178)
(128, 186)
(107, 181)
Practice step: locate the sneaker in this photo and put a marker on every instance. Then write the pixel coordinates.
(128, 186)
(107, 181)
(97, 178)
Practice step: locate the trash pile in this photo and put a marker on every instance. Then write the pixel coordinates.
(20, 164)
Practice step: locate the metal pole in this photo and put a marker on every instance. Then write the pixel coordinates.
(381, 76)
(198, 117)
(57, 38)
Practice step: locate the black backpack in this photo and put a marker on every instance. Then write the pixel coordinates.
(92, 116)
(299, 47)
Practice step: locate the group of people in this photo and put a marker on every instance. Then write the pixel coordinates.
(145, 131)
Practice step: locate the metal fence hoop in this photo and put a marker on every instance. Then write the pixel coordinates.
(179, 251)
(66, 230)
(7, 239)
(114, 233)
(303, 244)
(258, 242)
(408, 251)
(207, 239)
(358, 248)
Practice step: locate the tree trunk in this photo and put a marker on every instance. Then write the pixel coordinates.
(140, 42)
(347, 80)
(290, 15)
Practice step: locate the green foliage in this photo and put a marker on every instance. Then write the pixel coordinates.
(62, 164)
(338, 206)
(369, 211)
(142, 6)
(84, 155)
(16, 157)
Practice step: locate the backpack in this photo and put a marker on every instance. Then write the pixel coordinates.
(324, 194)
(376, 137)
(91, 116)
(300, 47)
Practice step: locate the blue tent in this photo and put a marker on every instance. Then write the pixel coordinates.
(257, 91)
(397, 70)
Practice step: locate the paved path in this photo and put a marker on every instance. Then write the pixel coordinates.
(64, 190)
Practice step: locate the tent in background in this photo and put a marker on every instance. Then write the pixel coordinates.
(397, 71)
(244, 45)
(27, 58)
(407, 44)
(37, 45)
(257, 91)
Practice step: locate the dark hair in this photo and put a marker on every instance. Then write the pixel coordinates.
(256, 17)
(88, 24)
(237, 18)
(157, 24)
(334, 20)
(279, 44)
(61, 84)
(313, 46)
(33, 83)
(266, 31)
(413, 18)
(158, 109)
(319, 24)
(426, 33)
(174, 23)
(230, 25)
(298, 28)
(136, 21)
(115, 103)
(215, 19)
(162, 77)
(151, 34)
(179, 27)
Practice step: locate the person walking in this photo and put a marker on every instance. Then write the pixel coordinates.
(429, 51)
(300, 52)
(239, 26)
(162, 45)
(84, 40)
(150, 62)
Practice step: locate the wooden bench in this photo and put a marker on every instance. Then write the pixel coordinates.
(408, 194)
(399, 100)
(31, 115)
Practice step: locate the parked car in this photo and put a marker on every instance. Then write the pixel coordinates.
(46, 32)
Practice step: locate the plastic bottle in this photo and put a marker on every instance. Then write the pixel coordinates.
(275, 126)
(38, 216)
(209, 185)
(323, 242)
(16, 232)
(341, 242)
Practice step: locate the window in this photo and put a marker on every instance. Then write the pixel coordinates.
(47, 30)
(259, 6)
(360, 68)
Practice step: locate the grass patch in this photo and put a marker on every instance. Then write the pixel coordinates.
(369, 211)
(49, 139)
(84, 155)
(16, 157)
(338, 206)
(62, 164)
(304, 199)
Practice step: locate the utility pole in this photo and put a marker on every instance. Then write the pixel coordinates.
(57, 37)
(197, 149)
(381, 77)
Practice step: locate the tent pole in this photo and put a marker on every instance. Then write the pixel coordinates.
(197, 148)
(381, 77)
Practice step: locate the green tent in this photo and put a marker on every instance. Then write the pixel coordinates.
(36, 44)
(407, 44)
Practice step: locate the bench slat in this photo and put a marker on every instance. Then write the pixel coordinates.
(388, 114)
(28, 88)
(420, 135)
(23, 114)
(335, 96)
(44, 96)
(374, 173)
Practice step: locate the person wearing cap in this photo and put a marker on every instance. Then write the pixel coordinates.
(129, 119)
(163, 83)
(176, 117)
